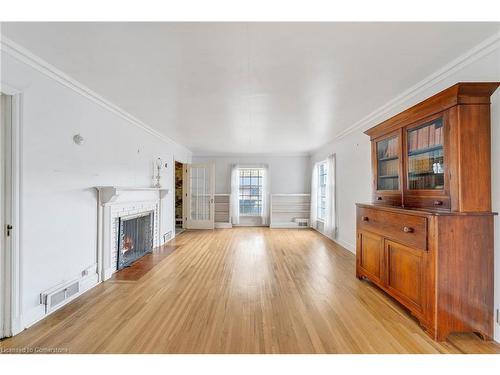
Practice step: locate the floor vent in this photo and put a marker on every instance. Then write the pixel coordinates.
(167, 236)
(302, 222)
(56, 297)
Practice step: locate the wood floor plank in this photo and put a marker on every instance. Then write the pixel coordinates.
(240, 290)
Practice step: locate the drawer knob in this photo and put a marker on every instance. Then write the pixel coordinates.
(438, 203)
(379, 198)
(364, 218)
(408, 229)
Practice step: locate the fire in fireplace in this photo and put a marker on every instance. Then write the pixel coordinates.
(135, 238)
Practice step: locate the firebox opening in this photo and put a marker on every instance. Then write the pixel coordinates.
(135, 238)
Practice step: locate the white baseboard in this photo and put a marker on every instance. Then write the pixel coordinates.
(288, 226)
(347, 245)
(344, 244)
(37, 313)
(223, 225)
(31, 317)
(89, 282)
(17, 325)
(108, 273)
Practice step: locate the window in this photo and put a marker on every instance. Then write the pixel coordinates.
(322, 177)
(251, 191)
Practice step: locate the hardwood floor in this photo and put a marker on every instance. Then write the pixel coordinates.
(242, 290)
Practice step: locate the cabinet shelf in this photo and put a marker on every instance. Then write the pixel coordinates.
(425, 150)
(428, 173)
(388, 158)
(389, 176)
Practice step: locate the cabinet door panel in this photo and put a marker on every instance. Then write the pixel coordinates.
(370, 254)
(405, 267)
(427, 163)
(386, 154)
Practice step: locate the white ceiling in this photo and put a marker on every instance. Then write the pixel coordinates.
(249, 87)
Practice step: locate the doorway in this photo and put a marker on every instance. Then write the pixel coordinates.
(5, 212)
(10, 187)
(179, 197)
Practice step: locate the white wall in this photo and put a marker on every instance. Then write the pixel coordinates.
(353, 158)
(58, 203)
(287, 173)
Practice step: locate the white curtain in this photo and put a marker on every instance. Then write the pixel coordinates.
(330, 220)
(265, 196)
(235, 194)
(314, 197)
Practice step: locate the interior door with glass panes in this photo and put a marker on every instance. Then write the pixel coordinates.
(200, 184)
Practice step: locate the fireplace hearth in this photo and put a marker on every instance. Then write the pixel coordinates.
(135, 238)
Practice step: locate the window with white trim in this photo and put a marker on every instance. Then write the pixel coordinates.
(251, 191)
(322, 178)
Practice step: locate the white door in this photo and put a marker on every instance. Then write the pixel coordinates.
(200, 196)
(5, 193)
(2, 210)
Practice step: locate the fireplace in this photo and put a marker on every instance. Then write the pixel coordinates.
(135, 238)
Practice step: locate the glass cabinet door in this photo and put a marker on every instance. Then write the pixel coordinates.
(425, 156)
(388, 164)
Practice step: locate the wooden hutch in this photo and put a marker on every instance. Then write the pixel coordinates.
(427, 238)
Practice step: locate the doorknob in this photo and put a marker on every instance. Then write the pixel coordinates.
(9, 228)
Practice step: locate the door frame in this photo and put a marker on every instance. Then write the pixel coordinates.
(175, 160)
(190, 224)
(10, 274)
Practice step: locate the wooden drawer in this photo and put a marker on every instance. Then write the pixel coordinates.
(410, 230)
(387, 199)
(427, 202)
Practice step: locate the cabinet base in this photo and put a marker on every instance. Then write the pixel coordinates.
(435, 334)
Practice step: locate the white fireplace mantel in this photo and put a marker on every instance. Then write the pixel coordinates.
(117, 201)
(108, 194)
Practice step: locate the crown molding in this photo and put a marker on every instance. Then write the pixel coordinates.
(22, 54)
(482, 49)
(249, 155)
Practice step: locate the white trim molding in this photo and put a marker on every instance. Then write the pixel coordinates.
(22, 54)
(242, 156)
(346, 245)
(110, 193)
(13, 312)
(482, 49)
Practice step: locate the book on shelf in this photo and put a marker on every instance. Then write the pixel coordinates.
(413, 141)
(424, 162)
(425, 137)
(388, 148)
(388, 167)
(431, 181)
(439, 135)
(393, 147)
(388, 184)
